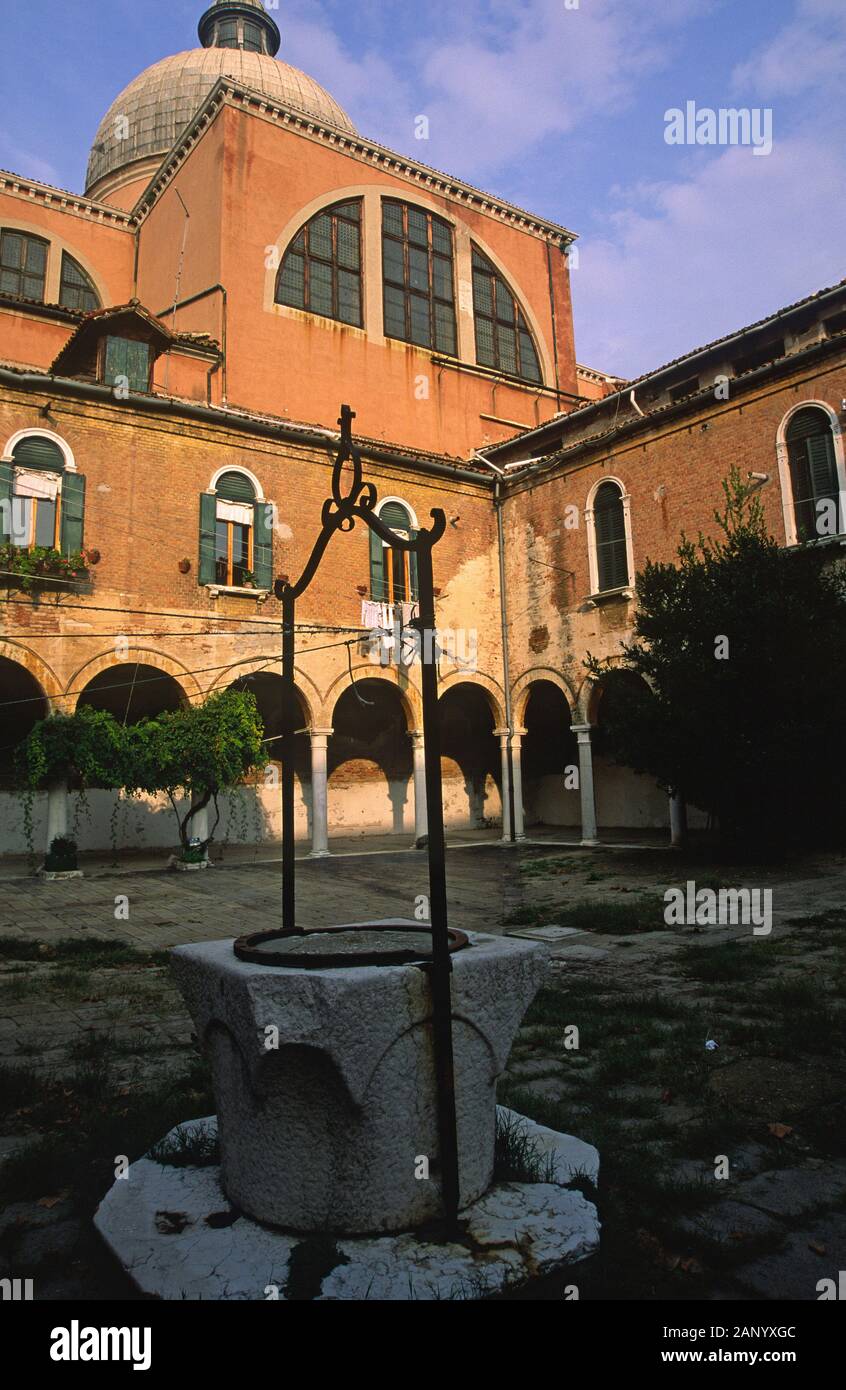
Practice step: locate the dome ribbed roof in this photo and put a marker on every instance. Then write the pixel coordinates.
(160, 102)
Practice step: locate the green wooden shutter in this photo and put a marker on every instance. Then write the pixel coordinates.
(6, 479)
(412, 571)
(263, 544)
(378, 586)
(235, 487)
(610, 524)
(36, 452)
(208, 529)
(73, 512)
(822, 465)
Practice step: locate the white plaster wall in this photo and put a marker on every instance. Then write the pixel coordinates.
(628, 800)
(547, 801)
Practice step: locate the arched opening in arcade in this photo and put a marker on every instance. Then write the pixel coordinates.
(254, 813)
(371, 761)
(23, 704)
(470, 758)
(550, 759)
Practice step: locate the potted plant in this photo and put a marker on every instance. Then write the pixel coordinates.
(62, 857)
(41, 567)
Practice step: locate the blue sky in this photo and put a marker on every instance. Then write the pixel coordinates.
(559, 109)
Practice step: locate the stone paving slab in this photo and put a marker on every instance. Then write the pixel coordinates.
(795, 1271)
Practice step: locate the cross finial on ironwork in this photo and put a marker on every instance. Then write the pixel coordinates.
(347, 417)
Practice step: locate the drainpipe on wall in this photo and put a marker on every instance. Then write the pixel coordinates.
(506, 672)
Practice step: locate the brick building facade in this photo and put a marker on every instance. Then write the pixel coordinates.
(174, 348)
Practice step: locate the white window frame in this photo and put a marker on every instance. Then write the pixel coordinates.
(590, 528)
(785, 479)
(67, 452)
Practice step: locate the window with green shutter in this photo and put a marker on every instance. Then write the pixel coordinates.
(813, 469)
(126, 362)
(48, 516)
(609, 521)
(503, 337)
(393, 571)
(236, 535)
(321, 271)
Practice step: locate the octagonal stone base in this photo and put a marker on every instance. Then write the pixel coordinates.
(177, 1236)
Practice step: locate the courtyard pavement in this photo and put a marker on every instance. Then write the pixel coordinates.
(782, 1215)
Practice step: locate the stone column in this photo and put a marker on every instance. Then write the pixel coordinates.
(421, 814)
(198, 826)
(503, 736)
(57, 812)
(319, 794)
(678, 821)
(589, 831)
(517, 776)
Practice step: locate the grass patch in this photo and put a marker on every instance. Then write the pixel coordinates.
(635, 916)
(88, 953)
(518, 1156)
(727, 962)
(194, 1147)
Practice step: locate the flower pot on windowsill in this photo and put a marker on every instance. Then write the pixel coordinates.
(41, 569)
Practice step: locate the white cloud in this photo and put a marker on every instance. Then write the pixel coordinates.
(809, 54)
(686, 262)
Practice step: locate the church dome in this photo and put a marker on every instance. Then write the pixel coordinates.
(143, 123)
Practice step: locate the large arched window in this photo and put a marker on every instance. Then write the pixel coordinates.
(236, 534)
(417, 267)
(393, 572)
(77, 288)
(813, 471)
(503, 338)
(23, 265)
(609, 538)
(41, 504)
(321, 271)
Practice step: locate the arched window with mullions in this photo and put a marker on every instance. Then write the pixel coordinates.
(77, 288)
(23, 265)
(393, 572)
(321, 270)
(813, 471)
(503, 337)
(610, 539)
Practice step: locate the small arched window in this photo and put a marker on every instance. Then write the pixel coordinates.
(321, 271)
(393, 572)
(236, 534)
(23, 265)
(609, 524)
(41, 505)
(503, 338)
(813, 470)
(77, 288)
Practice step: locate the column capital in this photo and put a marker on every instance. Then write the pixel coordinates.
(320, 733)
(502, 733)
(416, 736)
(583, 731)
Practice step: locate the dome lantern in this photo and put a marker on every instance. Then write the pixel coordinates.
(243, 24)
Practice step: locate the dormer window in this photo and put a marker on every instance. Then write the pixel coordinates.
(126, 362)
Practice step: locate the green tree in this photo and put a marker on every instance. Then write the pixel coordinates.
(742, 645)
(197, 752)
(87, 747)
